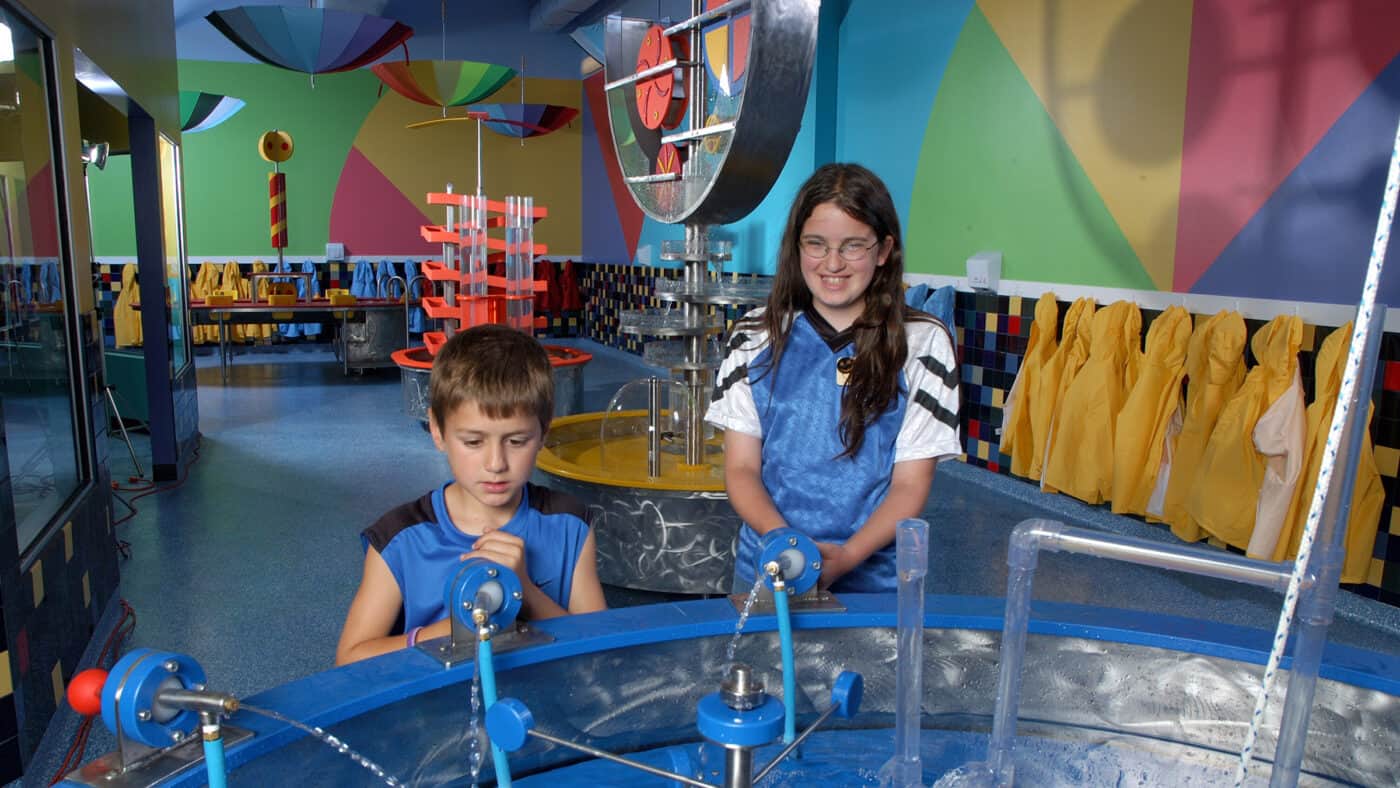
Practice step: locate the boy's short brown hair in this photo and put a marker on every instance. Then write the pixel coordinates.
(506, 372)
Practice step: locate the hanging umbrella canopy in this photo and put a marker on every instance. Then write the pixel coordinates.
(310, 40)
(443, 83)
(526, 120)
(200, 111)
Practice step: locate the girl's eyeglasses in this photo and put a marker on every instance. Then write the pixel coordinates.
(850, 251)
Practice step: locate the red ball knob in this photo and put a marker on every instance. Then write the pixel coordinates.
(85, 692)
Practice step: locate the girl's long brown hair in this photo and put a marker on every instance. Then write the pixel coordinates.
(880, 346)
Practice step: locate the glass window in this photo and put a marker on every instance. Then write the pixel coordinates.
(173, 233)
(35, 389)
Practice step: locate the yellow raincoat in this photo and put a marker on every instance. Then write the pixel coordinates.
(234, 282)
(262, 330)
(1143, 422)
(1368, 496)
(1252, 462)
(126, 321)
(1080, 461)
(204, 285)
(1017, 432)
(1055, 377)
(1214, 371)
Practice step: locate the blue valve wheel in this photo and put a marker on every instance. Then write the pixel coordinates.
(846, 693)
(753, 728)
(138, 677)
(797, 557)
(490, 585)
(508, 723)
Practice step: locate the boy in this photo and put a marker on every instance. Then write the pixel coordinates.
(491, 398)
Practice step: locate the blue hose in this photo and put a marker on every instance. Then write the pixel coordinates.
(214, 762)
(780, 601)
(486, 666)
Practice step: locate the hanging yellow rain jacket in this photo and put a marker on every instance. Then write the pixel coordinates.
(204, 285)
(1368, 496)
(234, 282)
(1017, 432)
(126, 321)
(1080, 461)
(1142, 426)
(1056, 376)
(1214, 370)
(261, 330)
(1254, 457)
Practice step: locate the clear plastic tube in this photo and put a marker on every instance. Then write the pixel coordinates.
(911, 563)
(1318, 598)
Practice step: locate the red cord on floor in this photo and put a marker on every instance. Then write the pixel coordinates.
(150, 488)
(105, 659)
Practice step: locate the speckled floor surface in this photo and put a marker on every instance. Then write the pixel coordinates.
(250, 564)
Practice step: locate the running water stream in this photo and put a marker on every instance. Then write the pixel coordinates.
(739, 627)
(474, 724)
(330, 740)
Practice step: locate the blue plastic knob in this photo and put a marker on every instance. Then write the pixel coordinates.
(138, 677)
(846, 693)
(478, 582)
(753, 728)
(682, 760)
(797, 556)
(509, 723)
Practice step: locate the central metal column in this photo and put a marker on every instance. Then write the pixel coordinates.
(697, 246)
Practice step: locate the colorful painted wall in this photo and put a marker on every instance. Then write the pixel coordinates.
(1211, 147)
(357, 175)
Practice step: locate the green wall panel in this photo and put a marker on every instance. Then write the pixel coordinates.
(995, 173)
(226, 205)
(113, 219)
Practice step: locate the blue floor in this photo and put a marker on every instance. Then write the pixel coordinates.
(250, 564)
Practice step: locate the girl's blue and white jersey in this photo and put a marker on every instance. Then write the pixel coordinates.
(796, 410)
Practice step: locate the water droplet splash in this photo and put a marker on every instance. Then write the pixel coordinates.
(330, 741)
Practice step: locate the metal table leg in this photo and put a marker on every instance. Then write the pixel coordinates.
(224, 350)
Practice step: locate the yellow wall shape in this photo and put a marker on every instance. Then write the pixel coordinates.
(424, 160)
(1112, 75)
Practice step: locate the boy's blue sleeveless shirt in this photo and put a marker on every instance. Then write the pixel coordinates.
(422, 547)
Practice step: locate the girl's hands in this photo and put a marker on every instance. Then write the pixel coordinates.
(836, 562)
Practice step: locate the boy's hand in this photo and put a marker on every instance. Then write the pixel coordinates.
(504, 549)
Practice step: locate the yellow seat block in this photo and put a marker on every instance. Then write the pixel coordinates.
(281, 299)
(339, 296)
(221, 298)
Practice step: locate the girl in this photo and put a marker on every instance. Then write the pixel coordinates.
(837, 400)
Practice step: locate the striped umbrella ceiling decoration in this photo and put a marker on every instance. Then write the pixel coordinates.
(200, 111)
(309, 40)
(525, 120)
(443, 83)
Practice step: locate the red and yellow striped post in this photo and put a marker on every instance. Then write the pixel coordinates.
(277, 205)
